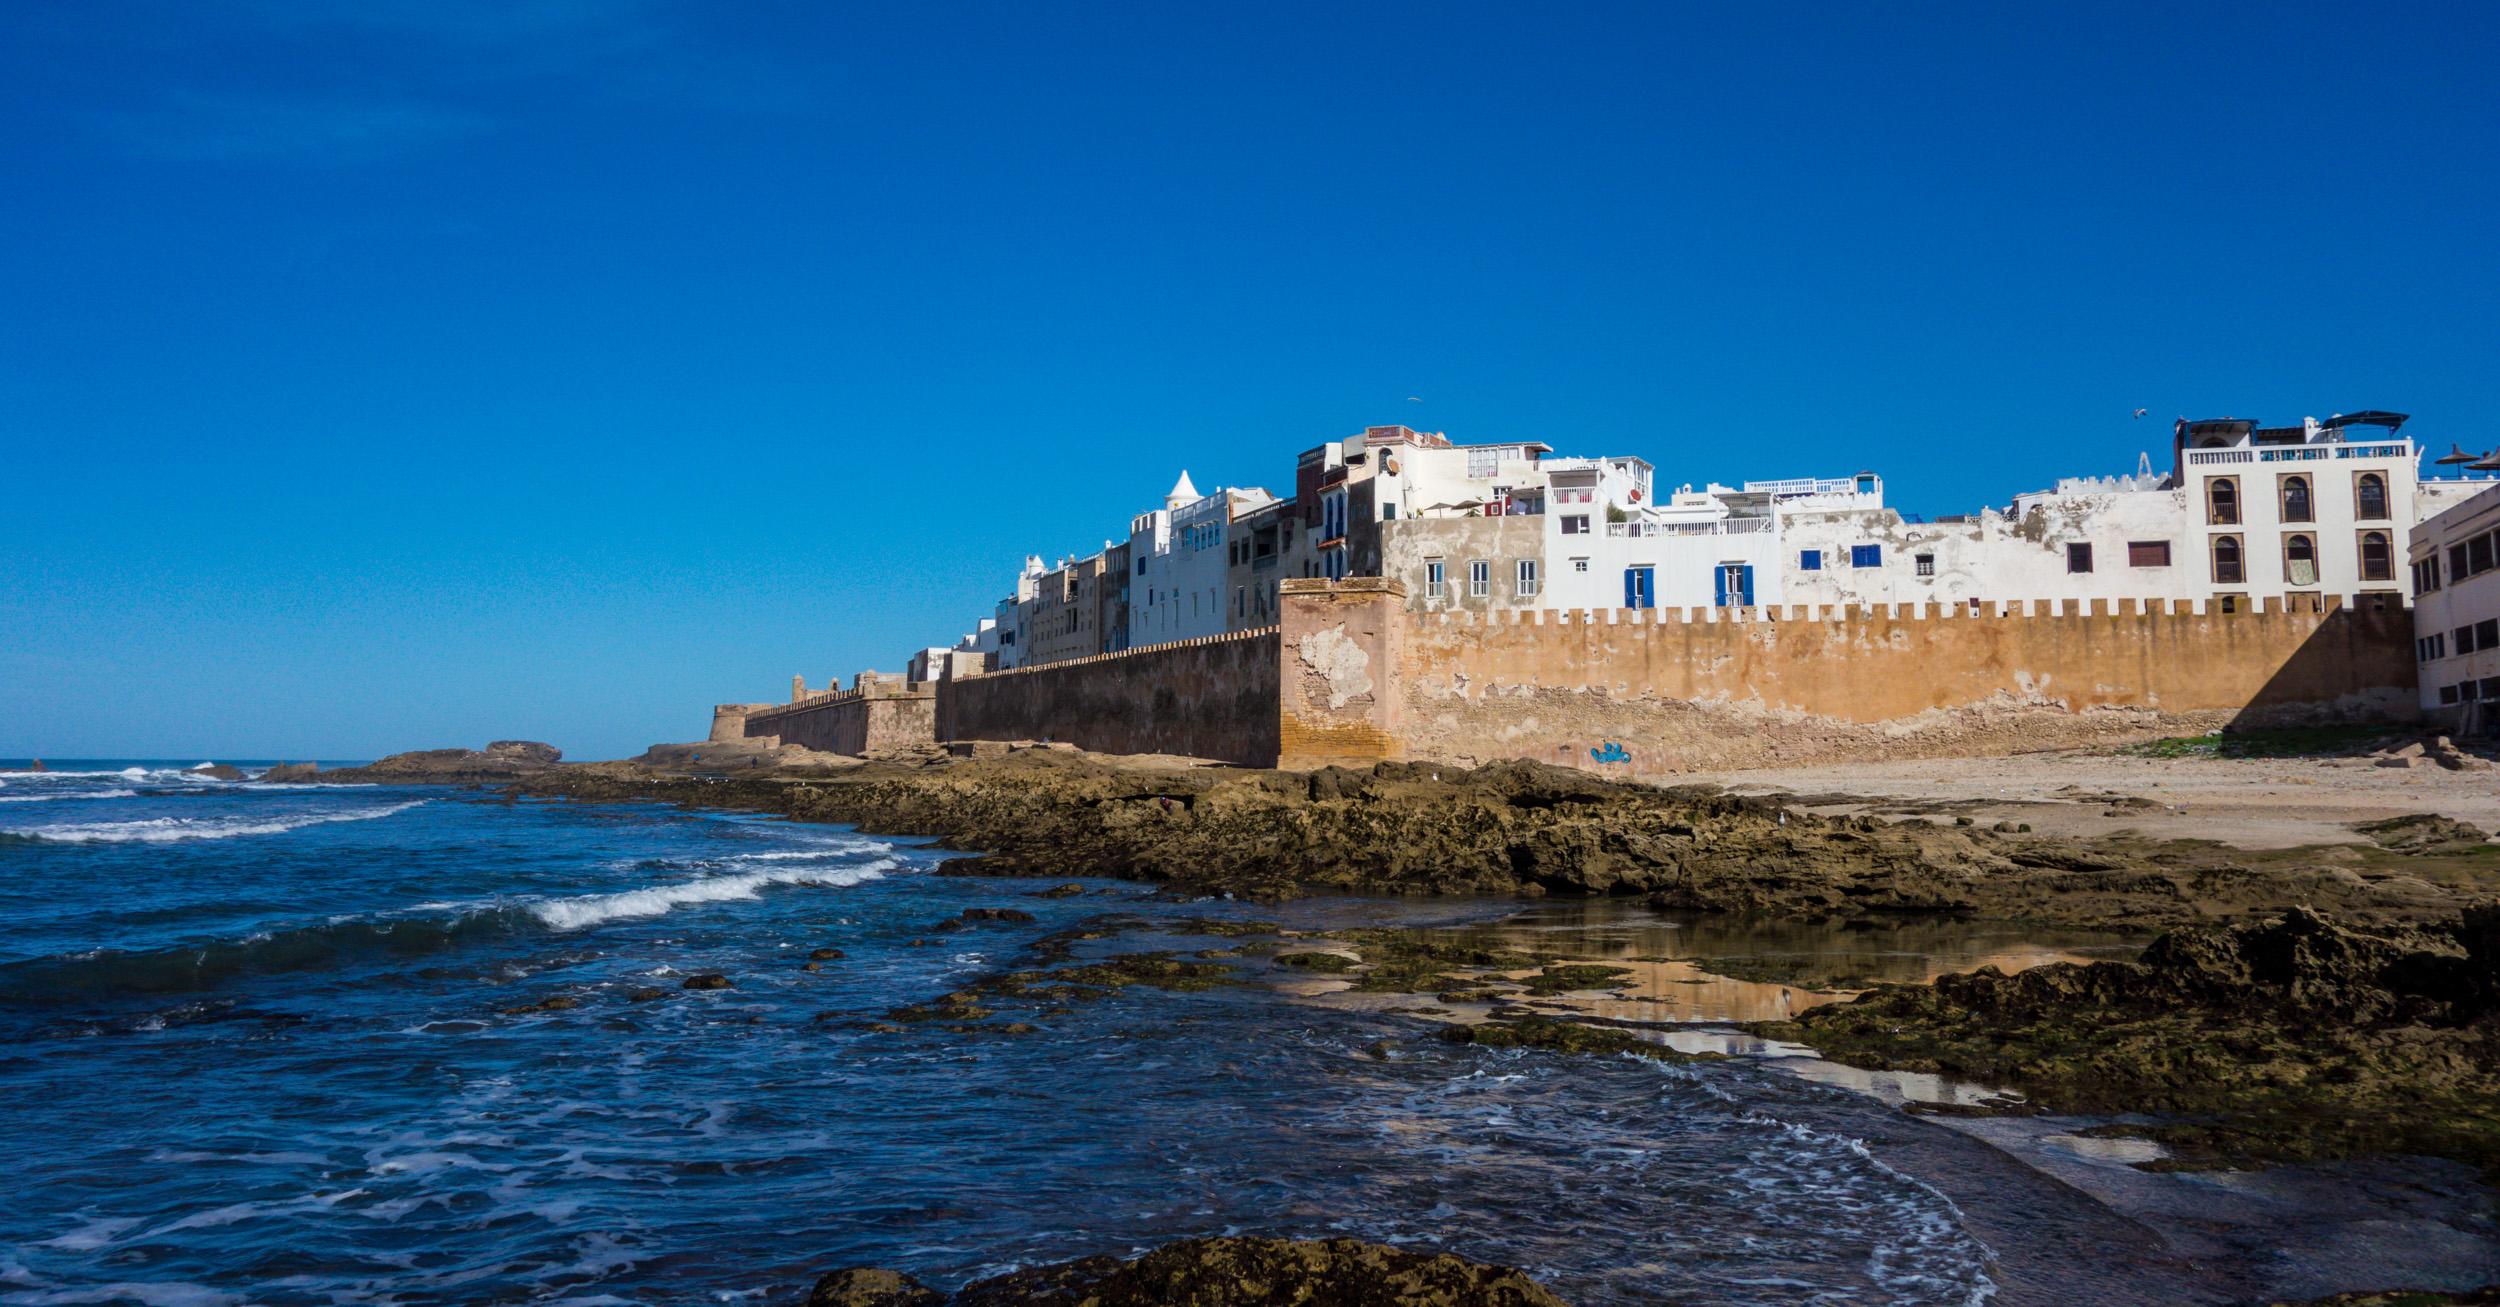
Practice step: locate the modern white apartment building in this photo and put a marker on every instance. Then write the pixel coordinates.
(2455, 571)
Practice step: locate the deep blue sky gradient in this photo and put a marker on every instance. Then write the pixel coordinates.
(396, 374)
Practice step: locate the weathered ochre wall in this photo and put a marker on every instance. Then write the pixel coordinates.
(1341, 647)
(879, 718)
(1679, 691)
(1207, 698)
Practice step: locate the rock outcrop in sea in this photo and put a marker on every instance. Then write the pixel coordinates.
(1222, 1272)
(2293, 1038)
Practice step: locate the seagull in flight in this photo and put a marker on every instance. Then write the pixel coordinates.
(2140, 412)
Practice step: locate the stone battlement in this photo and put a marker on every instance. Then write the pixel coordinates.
(1350, 675)
(1986, 610)
(1196, 642)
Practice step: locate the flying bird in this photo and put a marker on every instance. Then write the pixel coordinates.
(1414, 399)
(2139, 412)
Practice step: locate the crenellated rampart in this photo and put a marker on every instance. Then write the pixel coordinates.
(1210, 697)
(1351, 676)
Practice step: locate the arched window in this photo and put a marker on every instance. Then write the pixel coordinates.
(2296, 500)
(2227, 569)
(2222, 501)
(2300, 560)
(2378, 561)
(2370, 497)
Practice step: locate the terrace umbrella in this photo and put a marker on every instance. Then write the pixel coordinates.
(2455, 455)
(2487, 463)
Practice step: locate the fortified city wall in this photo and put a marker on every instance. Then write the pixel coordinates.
(877, 715)
(1351, 676)
(1213, 697)
(1660, 691)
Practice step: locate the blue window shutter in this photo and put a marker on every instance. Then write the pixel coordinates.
(1866, 555)
(1627, 589)
(1718, 577)
(1810, 560)
(1746, 579)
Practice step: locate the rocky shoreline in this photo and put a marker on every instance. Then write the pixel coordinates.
(1515, 828)
(1223, 1272)
(2305, 1003)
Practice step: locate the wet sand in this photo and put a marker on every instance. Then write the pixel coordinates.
(2286, 1232)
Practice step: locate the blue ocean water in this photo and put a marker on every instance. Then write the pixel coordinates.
(260, 1047)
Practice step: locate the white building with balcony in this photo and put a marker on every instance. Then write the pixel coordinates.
(2454, 567)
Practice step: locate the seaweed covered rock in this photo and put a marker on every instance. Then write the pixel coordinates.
(2424, 833)
(872, 1286)
(1513, 827)
(1247, 1272)
(2299, 1037)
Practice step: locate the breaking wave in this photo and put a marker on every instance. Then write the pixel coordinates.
(167, 830)
(591, 909)
(105, 973)
(47, 798)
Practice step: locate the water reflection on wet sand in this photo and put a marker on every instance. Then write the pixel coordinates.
(1695, 967)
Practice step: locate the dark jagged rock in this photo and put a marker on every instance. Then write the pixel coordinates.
(646, 994)
(2294, 1038)
(504, 760)
(560, 1003)
(976, 916)
(287, 772)
(872, 1286)
(2487, 1296)
(707, 980)
(1223, 1272)
(1566, 978)
(824, 954)
(1565, 1037)
(217, 771)
(529, 753)
(1529, 828)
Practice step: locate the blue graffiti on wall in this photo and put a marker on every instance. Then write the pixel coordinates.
(1612, 752)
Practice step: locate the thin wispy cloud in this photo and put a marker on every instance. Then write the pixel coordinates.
(323, 82)
(213, 129)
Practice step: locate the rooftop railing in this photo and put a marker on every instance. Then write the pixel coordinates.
(1804, 486)
(1730, 526)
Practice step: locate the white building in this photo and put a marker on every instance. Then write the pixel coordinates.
(2455, 571)
(2292, 513)
(1015, 610)
(1178, 556)
(1714, 547)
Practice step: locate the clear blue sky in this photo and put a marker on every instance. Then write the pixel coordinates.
(398, 373)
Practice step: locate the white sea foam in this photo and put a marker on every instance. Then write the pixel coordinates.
(167, 830)
(96, 1233)
(591, 909)
(47, 798)
(147, 1293)
(813, 855)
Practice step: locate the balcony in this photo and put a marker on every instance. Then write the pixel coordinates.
(1793, 486)
(1730, 526)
